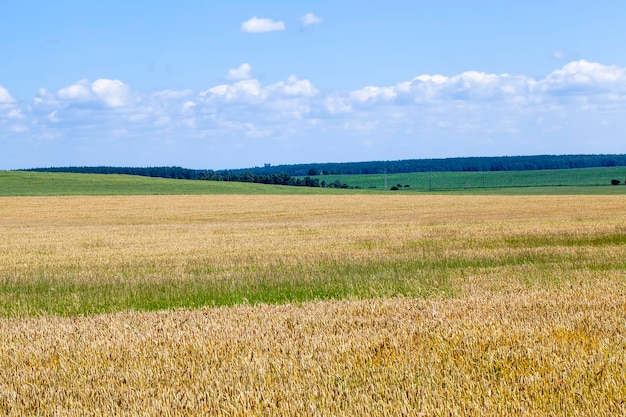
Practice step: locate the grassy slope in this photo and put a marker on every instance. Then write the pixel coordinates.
(15, 183)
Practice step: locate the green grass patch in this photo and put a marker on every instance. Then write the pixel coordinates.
(274, 284)
(569, 240)
(532, 262)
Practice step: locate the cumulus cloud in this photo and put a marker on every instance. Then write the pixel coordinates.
(310, 19)
(374, 93)
(473, 111)
(573, 79)
(79, 91)
(247, 89)
(261, 25)
(5, 96)
(241, 90)
(294, 87)
(240, 73)
(584, 75)
(110, 93)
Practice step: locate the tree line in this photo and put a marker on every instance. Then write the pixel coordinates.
(484, 163)
(207, 175)
(275, 179)
(160, 172)
(305, 174)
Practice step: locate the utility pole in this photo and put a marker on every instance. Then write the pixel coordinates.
(430, 179)
(385, 184)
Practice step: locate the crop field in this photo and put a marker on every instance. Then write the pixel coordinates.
(549, 181)
(393, 304)
(586, 181)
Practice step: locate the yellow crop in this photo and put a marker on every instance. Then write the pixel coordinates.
(537, 325)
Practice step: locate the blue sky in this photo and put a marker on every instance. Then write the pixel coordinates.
(212, 84)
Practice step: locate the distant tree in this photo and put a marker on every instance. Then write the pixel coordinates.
(312, 172)
(615, 182)
(394, 188)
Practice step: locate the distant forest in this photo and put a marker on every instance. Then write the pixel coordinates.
(304, 174)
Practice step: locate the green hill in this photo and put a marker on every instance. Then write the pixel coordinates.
(19, 183)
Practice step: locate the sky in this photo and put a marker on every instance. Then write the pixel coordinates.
(218, 85)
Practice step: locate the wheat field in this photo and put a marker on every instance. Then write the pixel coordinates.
(414, 305)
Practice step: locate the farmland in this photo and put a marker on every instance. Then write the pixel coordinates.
(554, 181)
(584, 181)
(388, 304)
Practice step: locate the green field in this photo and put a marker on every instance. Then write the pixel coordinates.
(485, 182)
(546, 182)
(18, 183)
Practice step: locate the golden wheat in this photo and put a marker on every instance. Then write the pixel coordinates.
(91, 239)
(529, 353)
(538, 326)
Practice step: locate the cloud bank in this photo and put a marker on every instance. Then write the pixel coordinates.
(577, 108)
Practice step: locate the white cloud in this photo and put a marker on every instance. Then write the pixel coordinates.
(5, 96)
(435, 79)
(471, 112)
(294, 87)
(310, 19)
(81, 91)
(241, 90)
(584, 75)
(578, 80)
(241, 73)
(261, 25)
(374, 93)
(250, 90)
(111, 93)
